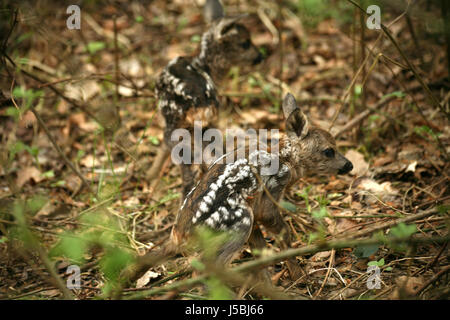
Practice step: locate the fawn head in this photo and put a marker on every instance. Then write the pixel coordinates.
(227, 43)
(309, 149)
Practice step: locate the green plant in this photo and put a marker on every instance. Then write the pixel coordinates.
(305, 195)
(94, 46)
(102, 230)
(378, 263)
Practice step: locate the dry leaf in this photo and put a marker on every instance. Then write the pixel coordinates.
(142, 281)
(360, 166)
(408, 285)
(27, 174)
(319, 256)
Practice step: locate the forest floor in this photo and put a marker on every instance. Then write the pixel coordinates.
(98, 105)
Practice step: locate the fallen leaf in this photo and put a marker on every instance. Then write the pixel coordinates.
(360, 166)
(27, 174)
(142, 281)
(377, 188)
(412, 167)
(407, 285)
(319, 256)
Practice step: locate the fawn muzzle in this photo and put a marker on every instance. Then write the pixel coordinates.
(348, 166)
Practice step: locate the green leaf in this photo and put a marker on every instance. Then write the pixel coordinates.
(15, 148)
(19, 92)
(378, 263)
(196, 38)
(36, 203)
(288, 206)
(70, 247)
(48, 174)
(397, 94)
(154, 140)
(198, 265)
(3, 239)
(403, 230)
(218, 290)
(139, 19)
(365, 251)
(23, 37)
(60, 183)
(94, 46)
(372, 263)
(252, 81)
(320, 214)
(13, 112)
(443, 209)
(334, 195)
(358, 90)
(114, 261)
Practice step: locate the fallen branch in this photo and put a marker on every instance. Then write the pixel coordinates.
(432, 280)
(388, 224)
(325, 246)
(284, 255)
(363, 115)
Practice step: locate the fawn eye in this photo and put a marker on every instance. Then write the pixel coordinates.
(246, 44)
(329, 153)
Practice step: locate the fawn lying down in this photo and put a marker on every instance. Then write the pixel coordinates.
(231, 197)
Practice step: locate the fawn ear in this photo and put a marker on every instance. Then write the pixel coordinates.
(296, 121)
(213, 10)
(226, 26)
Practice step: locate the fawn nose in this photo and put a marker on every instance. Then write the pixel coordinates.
(348, 166)
(258, 59)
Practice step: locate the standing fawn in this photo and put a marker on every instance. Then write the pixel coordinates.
(231, 196)
(186, 87)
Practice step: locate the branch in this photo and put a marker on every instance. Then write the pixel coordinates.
(325, 246)
(388, 224)
(58, 149)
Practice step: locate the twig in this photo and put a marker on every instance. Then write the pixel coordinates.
(59, 93)
(325, 246)
(330, 267)
(432, 280)
(61, 153)
(346, 93)
(363, 115)
(410, 65)
(388, 224)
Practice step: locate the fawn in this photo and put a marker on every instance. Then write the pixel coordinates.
(231, 197)
(186, 88)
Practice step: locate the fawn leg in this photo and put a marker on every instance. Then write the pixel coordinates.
(189, 175)
(257, 241)
(269, 216)
(238, 233)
